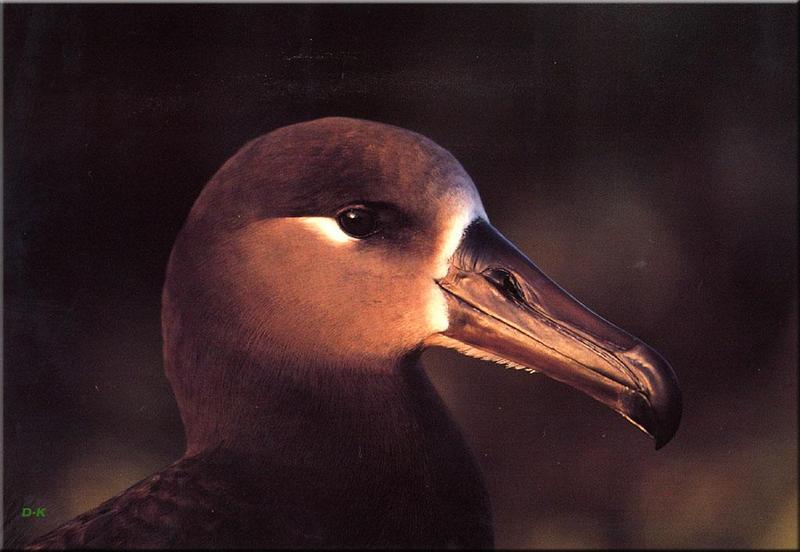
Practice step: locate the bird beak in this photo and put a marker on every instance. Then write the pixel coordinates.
(503, 308)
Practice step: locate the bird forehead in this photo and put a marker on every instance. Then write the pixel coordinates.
(428, 191)
(344, 156)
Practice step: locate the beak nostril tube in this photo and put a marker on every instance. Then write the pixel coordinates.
(506, 283)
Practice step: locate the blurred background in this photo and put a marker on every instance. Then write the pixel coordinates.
(644, 156)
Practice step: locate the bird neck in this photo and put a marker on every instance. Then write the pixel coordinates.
(360, 456)
(333, 419)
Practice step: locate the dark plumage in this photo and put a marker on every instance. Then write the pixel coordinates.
(293, 350)
(343, 494)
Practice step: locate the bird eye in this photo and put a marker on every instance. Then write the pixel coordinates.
(358, 222)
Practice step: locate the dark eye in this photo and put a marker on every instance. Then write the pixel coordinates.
(358, 222)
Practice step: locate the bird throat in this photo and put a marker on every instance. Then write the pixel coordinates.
(333, 419)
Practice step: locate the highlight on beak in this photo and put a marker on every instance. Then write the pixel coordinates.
(501, 307)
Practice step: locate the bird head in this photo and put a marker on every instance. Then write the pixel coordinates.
(342, 245)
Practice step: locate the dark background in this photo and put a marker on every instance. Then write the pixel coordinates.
(643, 156)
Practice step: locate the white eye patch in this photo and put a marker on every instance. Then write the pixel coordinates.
(450, 238)
(438, 319)
(328, 228)
(449, 241)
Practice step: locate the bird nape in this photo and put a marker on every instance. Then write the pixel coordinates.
(312, 271)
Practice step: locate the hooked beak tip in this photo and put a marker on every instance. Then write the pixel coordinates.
(668, 424)
(659, 408)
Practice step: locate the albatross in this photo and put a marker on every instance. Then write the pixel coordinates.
(312, 271)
